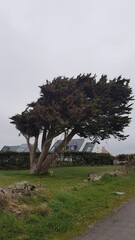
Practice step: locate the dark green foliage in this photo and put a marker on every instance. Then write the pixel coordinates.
(82, 105)
(14, 160)
(92, 108)
(128, 159)
(85, 158)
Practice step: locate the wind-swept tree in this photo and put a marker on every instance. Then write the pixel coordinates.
(72, 106)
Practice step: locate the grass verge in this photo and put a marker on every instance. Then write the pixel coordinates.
(65, 205)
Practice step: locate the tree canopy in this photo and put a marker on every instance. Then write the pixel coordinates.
(80, 105)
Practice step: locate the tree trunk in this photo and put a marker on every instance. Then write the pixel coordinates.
(32, 151)
(45, 160)
(44, 151)
(32, 160)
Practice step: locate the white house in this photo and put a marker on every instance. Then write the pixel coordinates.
(80, 145)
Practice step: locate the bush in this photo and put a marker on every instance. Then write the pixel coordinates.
(15, 160)
(86, 158)
(128, 159)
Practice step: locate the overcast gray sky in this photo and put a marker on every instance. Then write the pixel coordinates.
(42, 39)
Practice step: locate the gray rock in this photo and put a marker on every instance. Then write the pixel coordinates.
(21, 185)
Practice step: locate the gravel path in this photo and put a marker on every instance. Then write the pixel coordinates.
(118, 226)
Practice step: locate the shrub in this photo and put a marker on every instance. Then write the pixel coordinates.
(15, 160)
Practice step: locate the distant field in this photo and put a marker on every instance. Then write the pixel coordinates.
(65, 205)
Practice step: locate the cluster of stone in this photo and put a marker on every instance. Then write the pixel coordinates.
(19, 188)
(96, 177)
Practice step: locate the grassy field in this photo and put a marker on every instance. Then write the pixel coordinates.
(65, 204)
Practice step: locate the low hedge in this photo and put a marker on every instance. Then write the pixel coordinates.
(15, 160)
(126, 158)
(86, 158)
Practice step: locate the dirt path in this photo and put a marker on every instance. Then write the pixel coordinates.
(118, 226)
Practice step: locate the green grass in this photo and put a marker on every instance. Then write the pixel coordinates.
(66, 205)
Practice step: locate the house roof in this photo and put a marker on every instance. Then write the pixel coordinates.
(17, 148)
(76, 145)
(23, 148)
(9, 148)
(88, 147)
